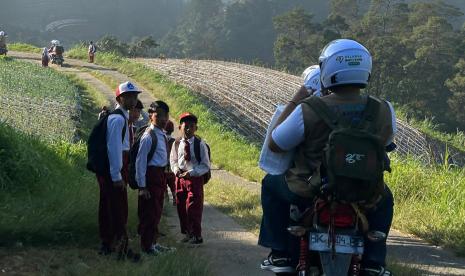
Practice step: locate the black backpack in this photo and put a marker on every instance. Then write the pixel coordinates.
(97, 155)
(59, 50)
(133, 154)
(207, 176)
(354, 156)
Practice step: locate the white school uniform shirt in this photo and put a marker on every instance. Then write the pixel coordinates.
(159, 159)
(193, 166)
(290, 133)
(115, 146)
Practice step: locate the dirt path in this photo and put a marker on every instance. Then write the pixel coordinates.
(233, 250)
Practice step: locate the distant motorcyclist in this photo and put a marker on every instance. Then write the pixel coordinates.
(56, 52)
(345, 69)
(56, 48)
(3, 48)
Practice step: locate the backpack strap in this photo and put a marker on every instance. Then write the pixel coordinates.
(323, 111)
(370, 115)
(120, 112)
(197, 148)
(154, 143)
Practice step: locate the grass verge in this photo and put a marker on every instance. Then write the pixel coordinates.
(91, 101)
(23, 47)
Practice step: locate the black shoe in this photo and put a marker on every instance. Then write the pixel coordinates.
(196, 240)
(277, 264)
(375, 271)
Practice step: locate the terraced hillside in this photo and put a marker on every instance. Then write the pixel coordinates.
(246, 96)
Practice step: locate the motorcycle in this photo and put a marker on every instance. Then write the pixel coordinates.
(57, 59)
(332, 237)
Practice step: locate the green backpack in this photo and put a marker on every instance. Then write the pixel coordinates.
(354, 156)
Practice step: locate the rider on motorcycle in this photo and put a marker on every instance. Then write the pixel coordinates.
(56, 48)
(56, 51)
(345, 69)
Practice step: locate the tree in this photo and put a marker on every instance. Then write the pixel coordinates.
(299, 41)
(198, 34)
(456, 102)
(378, 30)
(432, 65)
(248, 31)
(142, 47)
(349, 10)
(110, 43)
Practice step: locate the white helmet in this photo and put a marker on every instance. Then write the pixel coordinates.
(345, 61)
(55, 42)
(311, 77)
(2, 33)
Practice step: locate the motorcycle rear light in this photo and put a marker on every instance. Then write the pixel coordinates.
(344, 216)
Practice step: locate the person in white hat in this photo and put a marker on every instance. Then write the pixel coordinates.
(113, 205)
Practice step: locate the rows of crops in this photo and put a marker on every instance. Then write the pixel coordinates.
(246, 96)
(38, 101)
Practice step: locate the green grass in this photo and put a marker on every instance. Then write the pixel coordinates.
(429, 202)
(236, 201)
(429, 128)
(229, 150)
(23, 47)
(77, 261)
(38, 100)
(43, 187)
(397, 267)
(91, 101)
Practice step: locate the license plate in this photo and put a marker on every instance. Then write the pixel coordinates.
(344, 243)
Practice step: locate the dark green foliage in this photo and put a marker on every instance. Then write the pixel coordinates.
(456, 102)
(140, 48)
(414, 46)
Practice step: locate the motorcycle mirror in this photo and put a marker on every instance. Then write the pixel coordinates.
(376, 236)
(298, 231)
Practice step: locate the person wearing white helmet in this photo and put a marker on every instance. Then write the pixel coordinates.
(345, 68)
(113, 206)
(311, 77)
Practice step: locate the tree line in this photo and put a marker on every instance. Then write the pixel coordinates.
(419, 57)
